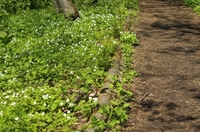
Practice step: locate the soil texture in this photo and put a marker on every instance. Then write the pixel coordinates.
(167, 92)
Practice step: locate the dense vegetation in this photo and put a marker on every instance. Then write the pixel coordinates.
(195, 4)
(51, 69)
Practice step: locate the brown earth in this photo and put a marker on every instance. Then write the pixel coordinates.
(167, 92)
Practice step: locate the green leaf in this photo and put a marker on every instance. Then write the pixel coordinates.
(126, 105)
(113, 123)
(90, 81)
(3, 34)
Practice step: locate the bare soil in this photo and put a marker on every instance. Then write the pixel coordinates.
(167, 92)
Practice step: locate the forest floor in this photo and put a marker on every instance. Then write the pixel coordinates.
(167, 92)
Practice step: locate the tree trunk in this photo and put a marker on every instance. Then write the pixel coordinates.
(68, 8)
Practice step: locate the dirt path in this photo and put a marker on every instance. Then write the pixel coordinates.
(168, 59)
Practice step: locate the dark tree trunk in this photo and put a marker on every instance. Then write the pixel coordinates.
(68, 8)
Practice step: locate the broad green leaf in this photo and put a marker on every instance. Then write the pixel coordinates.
(3, 34)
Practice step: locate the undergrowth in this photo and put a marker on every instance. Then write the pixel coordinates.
(51, 69)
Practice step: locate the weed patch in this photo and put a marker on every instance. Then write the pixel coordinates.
(51, 69)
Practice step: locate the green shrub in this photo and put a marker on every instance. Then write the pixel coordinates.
(192, 3)
(13, 6)
(195, 4)
(197, 10)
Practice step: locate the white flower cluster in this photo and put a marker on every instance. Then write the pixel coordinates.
(46, 96)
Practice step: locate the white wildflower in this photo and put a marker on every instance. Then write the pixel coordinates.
(9, 91)
(61, 103)
(67, 100)
(1, 113)
(42, 113)
(71, 104)
(23, 91)
(1, 74)
(46, 96)
(30, 114)
(95, 99)
(7, 97)
(68, 117)
(90, 98)
(16, 118)
(13, 104)
(68, 111)
(5, 102)
(64, 114)
(15, 95)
